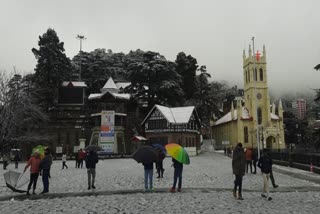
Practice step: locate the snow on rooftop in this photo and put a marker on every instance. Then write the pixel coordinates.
(227, 117)
(94, 96)
(110, 84)
(274, 117)
(122, 84)
(121, 96)
(74, 84)
(115, 95)
(177, 114)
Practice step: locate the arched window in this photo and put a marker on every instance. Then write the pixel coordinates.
(246, 134)
(259, 112)
(255, 74)
(248, 75)
(261, 74)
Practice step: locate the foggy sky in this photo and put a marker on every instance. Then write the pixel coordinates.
(214, 32)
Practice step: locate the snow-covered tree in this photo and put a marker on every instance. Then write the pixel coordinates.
(19, 115)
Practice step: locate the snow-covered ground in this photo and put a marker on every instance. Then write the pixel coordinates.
(208, 182)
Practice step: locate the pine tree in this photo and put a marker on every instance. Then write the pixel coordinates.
(52, 68)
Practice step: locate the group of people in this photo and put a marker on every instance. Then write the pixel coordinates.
(6, 161)
(148, 173)
(241, 159)
(42, 167)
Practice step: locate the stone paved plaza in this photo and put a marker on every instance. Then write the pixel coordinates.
(207, 188)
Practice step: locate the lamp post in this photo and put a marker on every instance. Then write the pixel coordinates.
(80, 37)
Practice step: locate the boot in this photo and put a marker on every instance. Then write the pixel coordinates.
(28, 193)
(172, 190)
(235, 193)
(240, 196)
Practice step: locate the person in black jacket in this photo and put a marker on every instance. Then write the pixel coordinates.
(91, 161)
(265, 164)
(238, 169)
(159, 164)
(45, 166)
(178, 168)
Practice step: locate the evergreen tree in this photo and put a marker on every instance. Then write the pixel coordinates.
(155, 80)
(53, 67)
(187, 67)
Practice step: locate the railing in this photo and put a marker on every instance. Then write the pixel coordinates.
(304, 161)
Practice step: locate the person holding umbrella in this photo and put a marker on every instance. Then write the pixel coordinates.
(179, 157)
(147, 155)
(91, 162)
(148, 176)
(34, 162)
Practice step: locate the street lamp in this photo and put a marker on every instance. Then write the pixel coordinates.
(80, 37)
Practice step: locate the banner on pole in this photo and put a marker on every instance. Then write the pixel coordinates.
(107, 131)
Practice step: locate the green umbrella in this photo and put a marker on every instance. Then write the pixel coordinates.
(178, 152)
(40, 149)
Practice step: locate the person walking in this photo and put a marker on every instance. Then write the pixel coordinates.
(77, 159)
(64, 160)
(159, 164)
(82, 156)
(148, 176)
(16, 160)
(255, 160)
(178, 168)
(91, 162)
(238, 168)
(248, 160)
(5, 160)
(34, 163)
(272, 180)
(265, 164)
(45, 166)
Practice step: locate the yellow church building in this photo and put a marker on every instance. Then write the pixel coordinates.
(252, 118)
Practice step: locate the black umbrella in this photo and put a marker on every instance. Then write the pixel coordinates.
(146, 154)
(94, 148)
(15, 181)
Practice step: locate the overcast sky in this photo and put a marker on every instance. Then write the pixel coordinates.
(214, 32)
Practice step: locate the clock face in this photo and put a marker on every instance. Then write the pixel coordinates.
(259, 96)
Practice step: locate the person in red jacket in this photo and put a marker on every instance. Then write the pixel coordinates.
(81, 157)
(34, 162)
(249, 160)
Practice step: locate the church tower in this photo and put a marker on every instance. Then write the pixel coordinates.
(256, 94)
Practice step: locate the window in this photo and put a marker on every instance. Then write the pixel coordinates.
(248, 75)
(259, 112)
(246, 135)
(255, 74)
(261, 74)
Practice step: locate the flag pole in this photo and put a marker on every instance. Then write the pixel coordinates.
(255, 78)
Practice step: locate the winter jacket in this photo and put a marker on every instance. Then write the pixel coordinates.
(238, 161)
(34, 163)
(177, 164)
(46, 162)
(148, 165)
(265, 164)
(91, 160)
(248, 154)
(64, 158)
(82, 155)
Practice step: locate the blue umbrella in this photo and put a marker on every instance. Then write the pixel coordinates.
(159, 146)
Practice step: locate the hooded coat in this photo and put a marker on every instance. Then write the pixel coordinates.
(238, 161)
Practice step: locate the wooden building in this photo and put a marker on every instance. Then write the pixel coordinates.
(179, 125)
